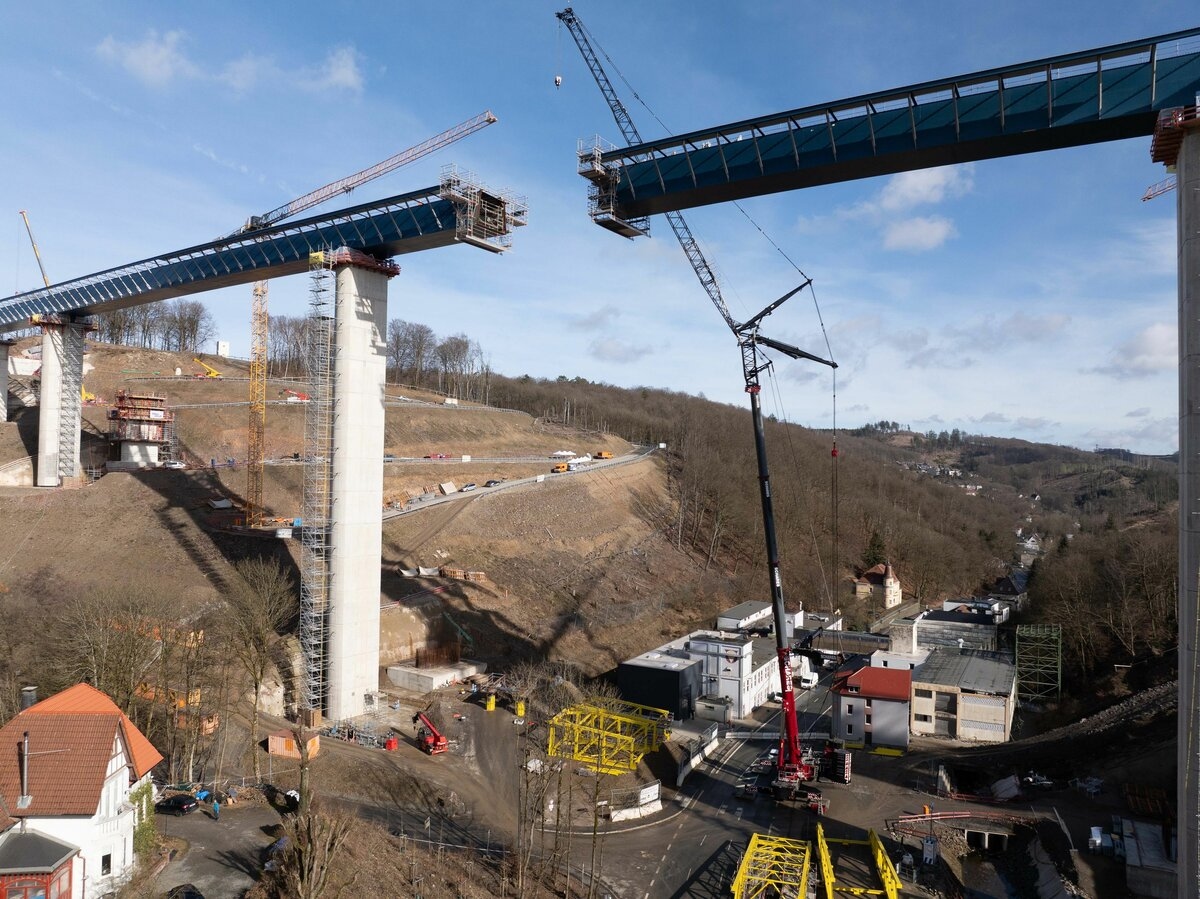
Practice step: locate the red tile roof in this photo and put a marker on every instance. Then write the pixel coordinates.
(876, 683)
(71, 737)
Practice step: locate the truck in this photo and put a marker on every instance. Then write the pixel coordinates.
(430, 740)
(560, 468)
(603, 454)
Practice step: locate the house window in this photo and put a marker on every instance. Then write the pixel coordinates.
(924, 694)
(106, 864)
(924, 719)
(849, 729)
(26, 889)
(868, 719)
(849, 708)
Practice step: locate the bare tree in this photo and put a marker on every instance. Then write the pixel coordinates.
(264, 601)
(314, 839)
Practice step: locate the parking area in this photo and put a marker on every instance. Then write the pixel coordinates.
(223, 858)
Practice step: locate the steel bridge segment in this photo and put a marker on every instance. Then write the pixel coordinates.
(406, 223)
(1109, 93)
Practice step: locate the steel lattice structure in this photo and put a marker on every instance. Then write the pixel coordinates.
(1039, 661)
(610, 736)
(258, 404)
(773, 866)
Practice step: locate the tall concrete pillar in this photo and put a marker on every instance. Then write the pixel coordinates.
(50, 407)
(59, 403)
(4, 345)
(1188, 748)
(356, 524)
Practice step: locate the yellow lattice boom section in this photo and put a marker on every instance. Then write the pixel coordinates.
(773, 866)
(888, 877)
(610, 736)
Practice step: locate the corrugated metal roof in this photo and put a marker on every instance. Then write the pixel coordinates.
(745, 610)
(971, 671)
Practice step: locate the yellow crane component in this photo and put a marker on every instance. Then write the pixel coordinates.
(209, 371)
(772, 866)
(609, 736)
(258, 404)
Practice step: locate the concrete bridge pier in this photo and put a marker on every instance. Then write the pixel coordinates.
(60, 402)
(1188, 747)
(4, 345)
(355, 523)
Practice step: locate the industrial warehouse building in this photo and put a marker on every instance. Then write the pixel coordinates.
(965, 695)
(736, 670)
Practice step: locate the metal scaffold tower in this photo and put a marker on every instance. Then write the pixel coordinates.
(258, 405)
(318, 451)
(1039, 661)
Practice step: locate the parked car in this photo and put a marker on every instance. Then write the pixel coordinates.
(179, 804)
(176, 464)
(492, 483)
(437, 456)
(467, 488)
(185, 891)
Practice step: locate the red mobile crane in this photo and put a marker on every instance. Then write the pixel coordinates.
(429, 738)
(794, 767)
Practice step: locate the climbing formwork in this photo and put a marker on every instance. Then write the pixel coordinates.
(889, 880)
(773, 866)
(610, 736)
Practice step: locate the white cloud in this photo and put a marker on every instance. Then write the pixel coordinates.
(1140, 412)
(156, 60)
(1033, 424)
(246, 73)
(341, 71)
(610, 349)
(919, 234)
(926, 186)
(1154, 349)
(598, 320)
(991, 418)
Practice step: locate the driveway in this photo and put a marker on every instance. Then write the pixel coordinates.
(223, 858)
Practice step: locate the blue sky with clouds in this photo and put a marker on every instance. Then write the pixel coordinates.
(1030, 297)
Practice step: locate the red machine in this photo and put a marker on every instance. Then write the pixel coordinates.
(429, 738)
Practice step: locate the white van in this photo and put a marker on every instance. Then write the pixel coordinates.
(809, 680)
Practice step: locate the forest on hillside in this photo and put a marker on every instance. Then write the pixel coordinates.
(1107, 517)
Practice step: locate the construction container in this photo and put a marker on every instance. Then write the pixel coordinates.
(283, 744)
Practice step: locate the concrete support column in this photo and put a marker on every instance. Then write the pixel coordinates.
(4, 345)
(50, 409)
(1188, 748)
(356, 523)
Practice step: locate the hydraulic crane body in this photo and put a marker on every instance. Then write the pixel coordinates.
(794, 766)
(429, 738)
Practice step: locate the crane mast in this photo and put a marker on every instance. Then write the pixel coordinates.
(691, 248)
(792, 770)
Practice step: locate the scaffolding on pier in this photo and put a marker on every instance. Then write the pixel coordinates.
(258, 405)
(317, 501)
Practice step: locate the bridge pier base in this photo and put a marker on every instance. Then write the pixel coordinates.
(355, 523)
(59, 403)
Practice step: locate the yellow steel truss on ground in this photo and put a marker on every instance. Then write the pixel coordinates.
(883, 867)
(772, 866)
(608, 735)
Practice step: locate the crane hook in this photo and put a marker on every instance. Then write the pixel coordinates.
(558, 81)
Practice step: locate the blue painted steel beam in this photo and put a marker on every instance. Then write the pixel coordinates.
(407, 223)
(1098, 95)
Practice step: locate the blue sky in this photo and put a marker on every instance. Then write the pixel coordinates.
(1030, 297)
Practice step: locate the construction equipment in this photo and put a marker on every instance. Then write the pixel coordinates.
(209, 371)
(430, 740)
(1158, 189)
(794, 767)
(296, 396)
(347, 184)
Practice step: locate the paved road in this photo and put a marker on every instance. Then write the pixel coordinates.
(223, 858)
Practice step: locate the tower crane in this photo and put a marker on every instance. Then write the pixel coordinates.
(347, 184)
(85, 395)
(259, 316)
(793, 766)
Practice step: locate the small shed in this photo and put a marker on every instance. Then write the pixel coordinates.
(283, 744)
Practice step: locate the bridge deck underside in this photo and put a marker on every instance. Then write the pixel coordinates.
(404, 224)
(1103, 95)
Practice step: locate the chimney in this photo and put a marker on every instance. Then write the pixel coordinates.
(24, 800)
(28, 697)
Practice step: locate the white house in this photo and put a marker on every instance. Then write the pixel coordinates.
(75, 782)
